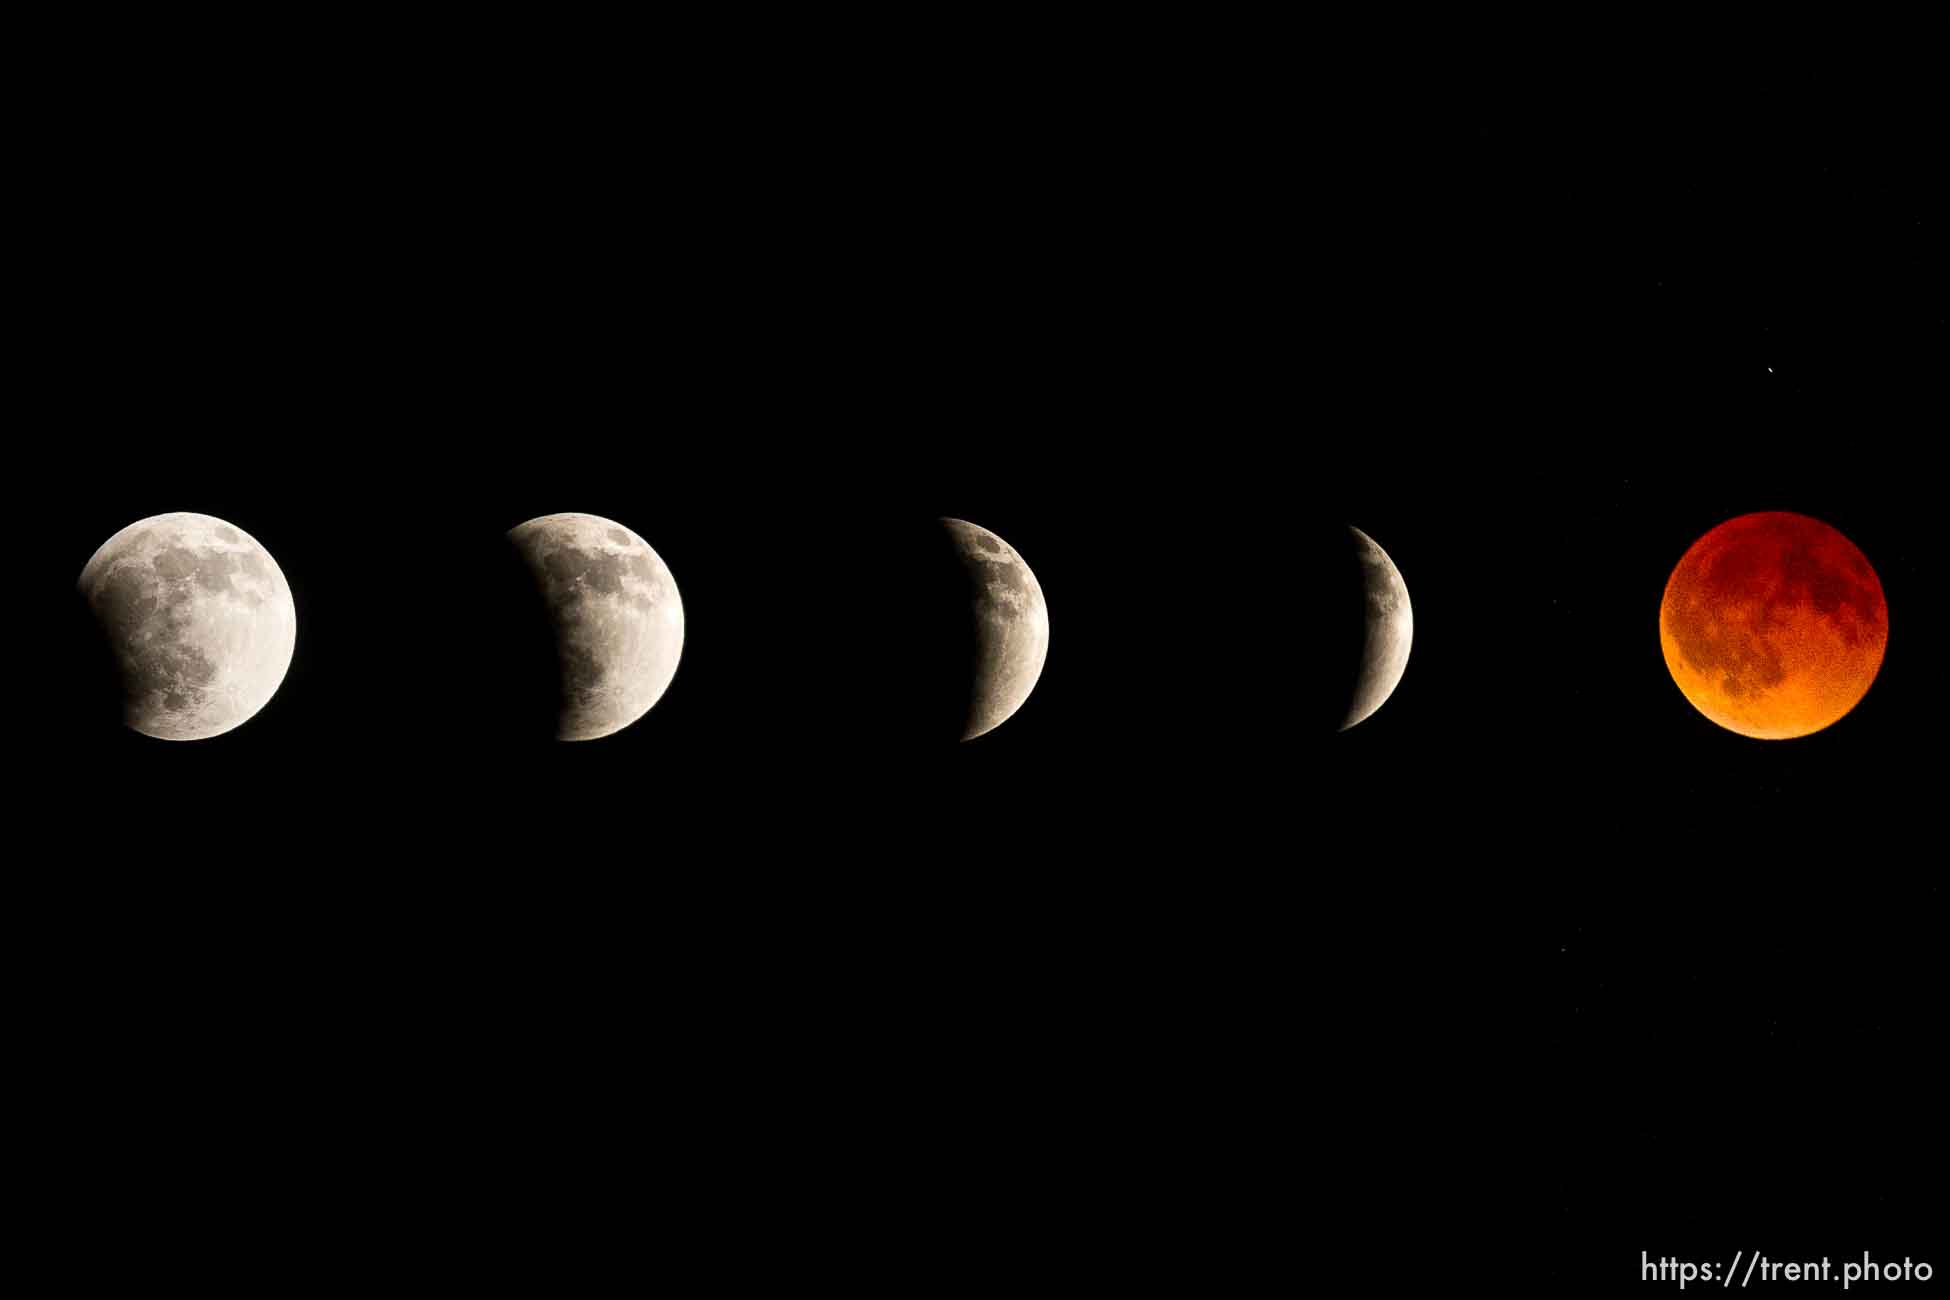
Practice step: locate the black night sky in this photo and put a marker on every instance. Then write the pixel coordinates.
(1536, 962)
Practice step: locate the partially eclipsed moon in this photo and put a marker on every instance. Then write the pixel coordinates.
(1011, 626)
(1389, 628)
(616, 616)
(199, 619)
(1774, 625)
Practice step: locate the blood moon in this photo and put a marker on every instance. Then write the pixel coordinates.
(1774, 625)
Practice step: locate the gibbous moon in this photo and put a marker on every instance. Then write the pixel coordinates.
(617, 620)
(1388, 627)
(1773, 625)
(199, 620)
(1010, 629)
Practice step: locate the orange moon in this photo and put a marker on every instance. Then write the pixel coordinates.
(1774, 625)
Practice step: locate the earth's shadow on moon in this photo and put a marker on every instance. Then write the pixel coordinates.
(97, 684)
(855, 641)
(512, 690)
(1330, 590)
(862, 640)
(911, 674)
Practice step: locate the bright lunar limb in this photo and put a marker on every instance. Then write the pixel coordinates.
(616, 616)
(1773, 625)
(1011, 626)
(199, 620)
(1390, 626)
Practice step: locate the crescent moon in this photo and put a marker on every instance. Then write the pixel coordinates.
(1390, 627)
(1011, 626)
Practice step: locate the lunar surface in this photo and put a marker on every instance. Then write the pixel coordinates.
(1774, 625)
(616, 617)
(1011, 626)
(1389, 627)
(199, 620)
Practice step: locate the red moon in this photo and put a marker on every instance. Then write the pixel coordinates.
(1774, 625)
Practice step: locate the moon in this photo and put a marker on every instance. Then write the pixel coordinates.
(1388, 627)
(617, 620)
(1011, 625)
(199, 620)
(1774, 625)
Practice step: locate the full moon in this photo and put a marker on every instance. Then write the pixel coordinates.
(1011, 625)
(1773, 625)
(617, 620)
(199, 620)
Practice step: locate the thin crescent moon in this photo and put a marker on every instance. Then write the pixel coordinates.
(1390, 629)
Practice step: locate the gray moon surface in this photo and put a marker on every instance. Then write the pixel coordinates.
(617, 618)
(1390, 628)
(199, 619)
(1011, 625)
